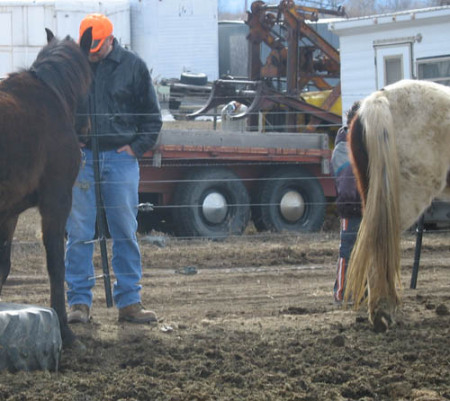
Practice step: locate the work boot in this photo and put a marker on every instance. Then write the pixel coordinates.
(78, 313)
(136, 313)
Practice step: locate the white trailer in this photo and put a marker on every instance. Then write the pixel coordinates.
(381, 49)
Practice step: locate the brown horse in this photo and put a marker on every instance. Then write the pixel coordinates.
(39, 153)
(400, 150)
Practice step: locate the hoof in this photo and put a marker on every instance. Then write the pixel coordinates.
(68, 337)
(381, 321)
(77, 346)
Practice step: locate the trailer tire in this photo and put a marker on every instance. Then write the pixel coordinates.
(291, 199)
(211, 203)
(191, 78)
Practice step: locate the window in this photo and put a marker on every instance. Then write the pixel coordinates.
(435, 69)
(393, 69)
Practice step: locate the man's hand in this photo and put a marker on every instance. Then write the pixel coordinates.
(126, 148)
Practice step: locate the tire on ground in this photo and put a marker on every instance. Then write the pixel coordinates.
(30, 338)
(290, 199)
(211, 203)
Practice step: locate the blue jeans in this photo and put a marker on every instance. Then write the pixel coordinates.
(119, 177)
(349, 232)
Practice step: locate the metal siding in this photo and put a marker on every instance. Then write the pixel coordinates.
(358, 74)
(357, 69)
(70, 13)
(435, 41)
(171, 36)
(35, 33)
(23, 24)
(6, 24)
(176, 36)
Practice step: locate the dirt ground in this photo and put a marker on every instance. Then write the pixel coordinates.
(256, 322)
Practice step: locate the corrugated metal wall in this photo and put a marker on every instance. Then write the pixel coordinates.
(22, 26)
(176, 36)
(172, 36)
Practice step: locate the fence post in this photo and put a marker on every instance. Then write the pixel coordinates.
(101, 218)
(415, 269)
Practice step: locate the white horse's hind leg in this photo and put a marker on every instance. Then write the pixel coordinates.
(382, 315)
(382, 301)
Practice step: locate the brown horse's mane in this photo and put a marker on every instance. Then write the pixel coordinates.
(63, 67)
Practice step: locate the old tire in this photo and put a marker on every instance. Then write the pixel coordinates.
(30, 338)
(191, 78)
(211, 203)
(291, 199)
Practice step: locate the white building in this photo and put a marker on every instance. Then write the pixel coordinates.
(381, 49)
(176, 36)
(23, 23)
(172, 36)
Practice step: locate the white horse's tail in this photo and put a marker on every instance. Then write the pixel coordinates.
(375, 260)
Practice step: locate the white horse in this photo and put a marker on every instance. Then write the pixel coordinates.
(400, 151)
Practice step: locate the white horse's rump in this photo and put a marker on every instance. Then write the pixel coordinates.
(405, 129)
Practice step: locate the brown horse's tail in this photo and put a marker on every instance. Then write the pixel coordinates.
(375, 259)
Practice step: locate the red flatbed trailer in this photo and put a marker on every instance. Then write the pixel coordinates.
(212, 182)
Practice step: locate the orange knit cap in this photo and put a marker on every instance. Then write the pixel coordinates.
(102, 27)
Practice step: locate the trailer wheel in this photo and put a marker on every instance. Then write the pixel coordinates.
(291, 199)
(211, 203)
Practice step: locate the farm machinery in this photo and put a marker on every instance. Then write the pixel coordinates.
(276, 171)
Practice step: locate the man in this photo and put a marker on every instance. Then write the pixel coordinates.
(126, 117)
(348, 203)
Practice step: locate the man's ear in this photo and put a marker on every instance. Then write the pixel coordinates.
(86, 41)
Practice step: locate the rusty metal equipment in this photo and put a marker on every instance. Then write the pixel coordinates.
(300, 63)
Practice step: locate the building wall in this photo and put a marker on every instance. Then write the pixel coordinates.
(69, 14)
(172, 36)
(176, 36)
(23, 26)
(358, 36)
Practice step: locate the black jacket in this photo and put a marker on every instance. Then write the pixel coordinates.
(348, 200)
(122, 104)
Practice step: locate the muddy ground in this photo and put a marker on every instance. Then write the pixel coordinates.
(257, 322)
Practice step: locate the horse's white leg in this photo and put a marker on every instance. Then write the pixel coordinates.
(382, 306)
(382, 279)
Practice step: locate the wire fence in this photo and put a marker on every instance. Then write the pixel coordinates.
(250, 234)
(208, 162)
(177, 162)
(431, 256)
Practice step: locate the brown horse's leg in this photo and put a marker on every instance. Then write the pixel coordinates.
(53, 228)
(7, 227)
